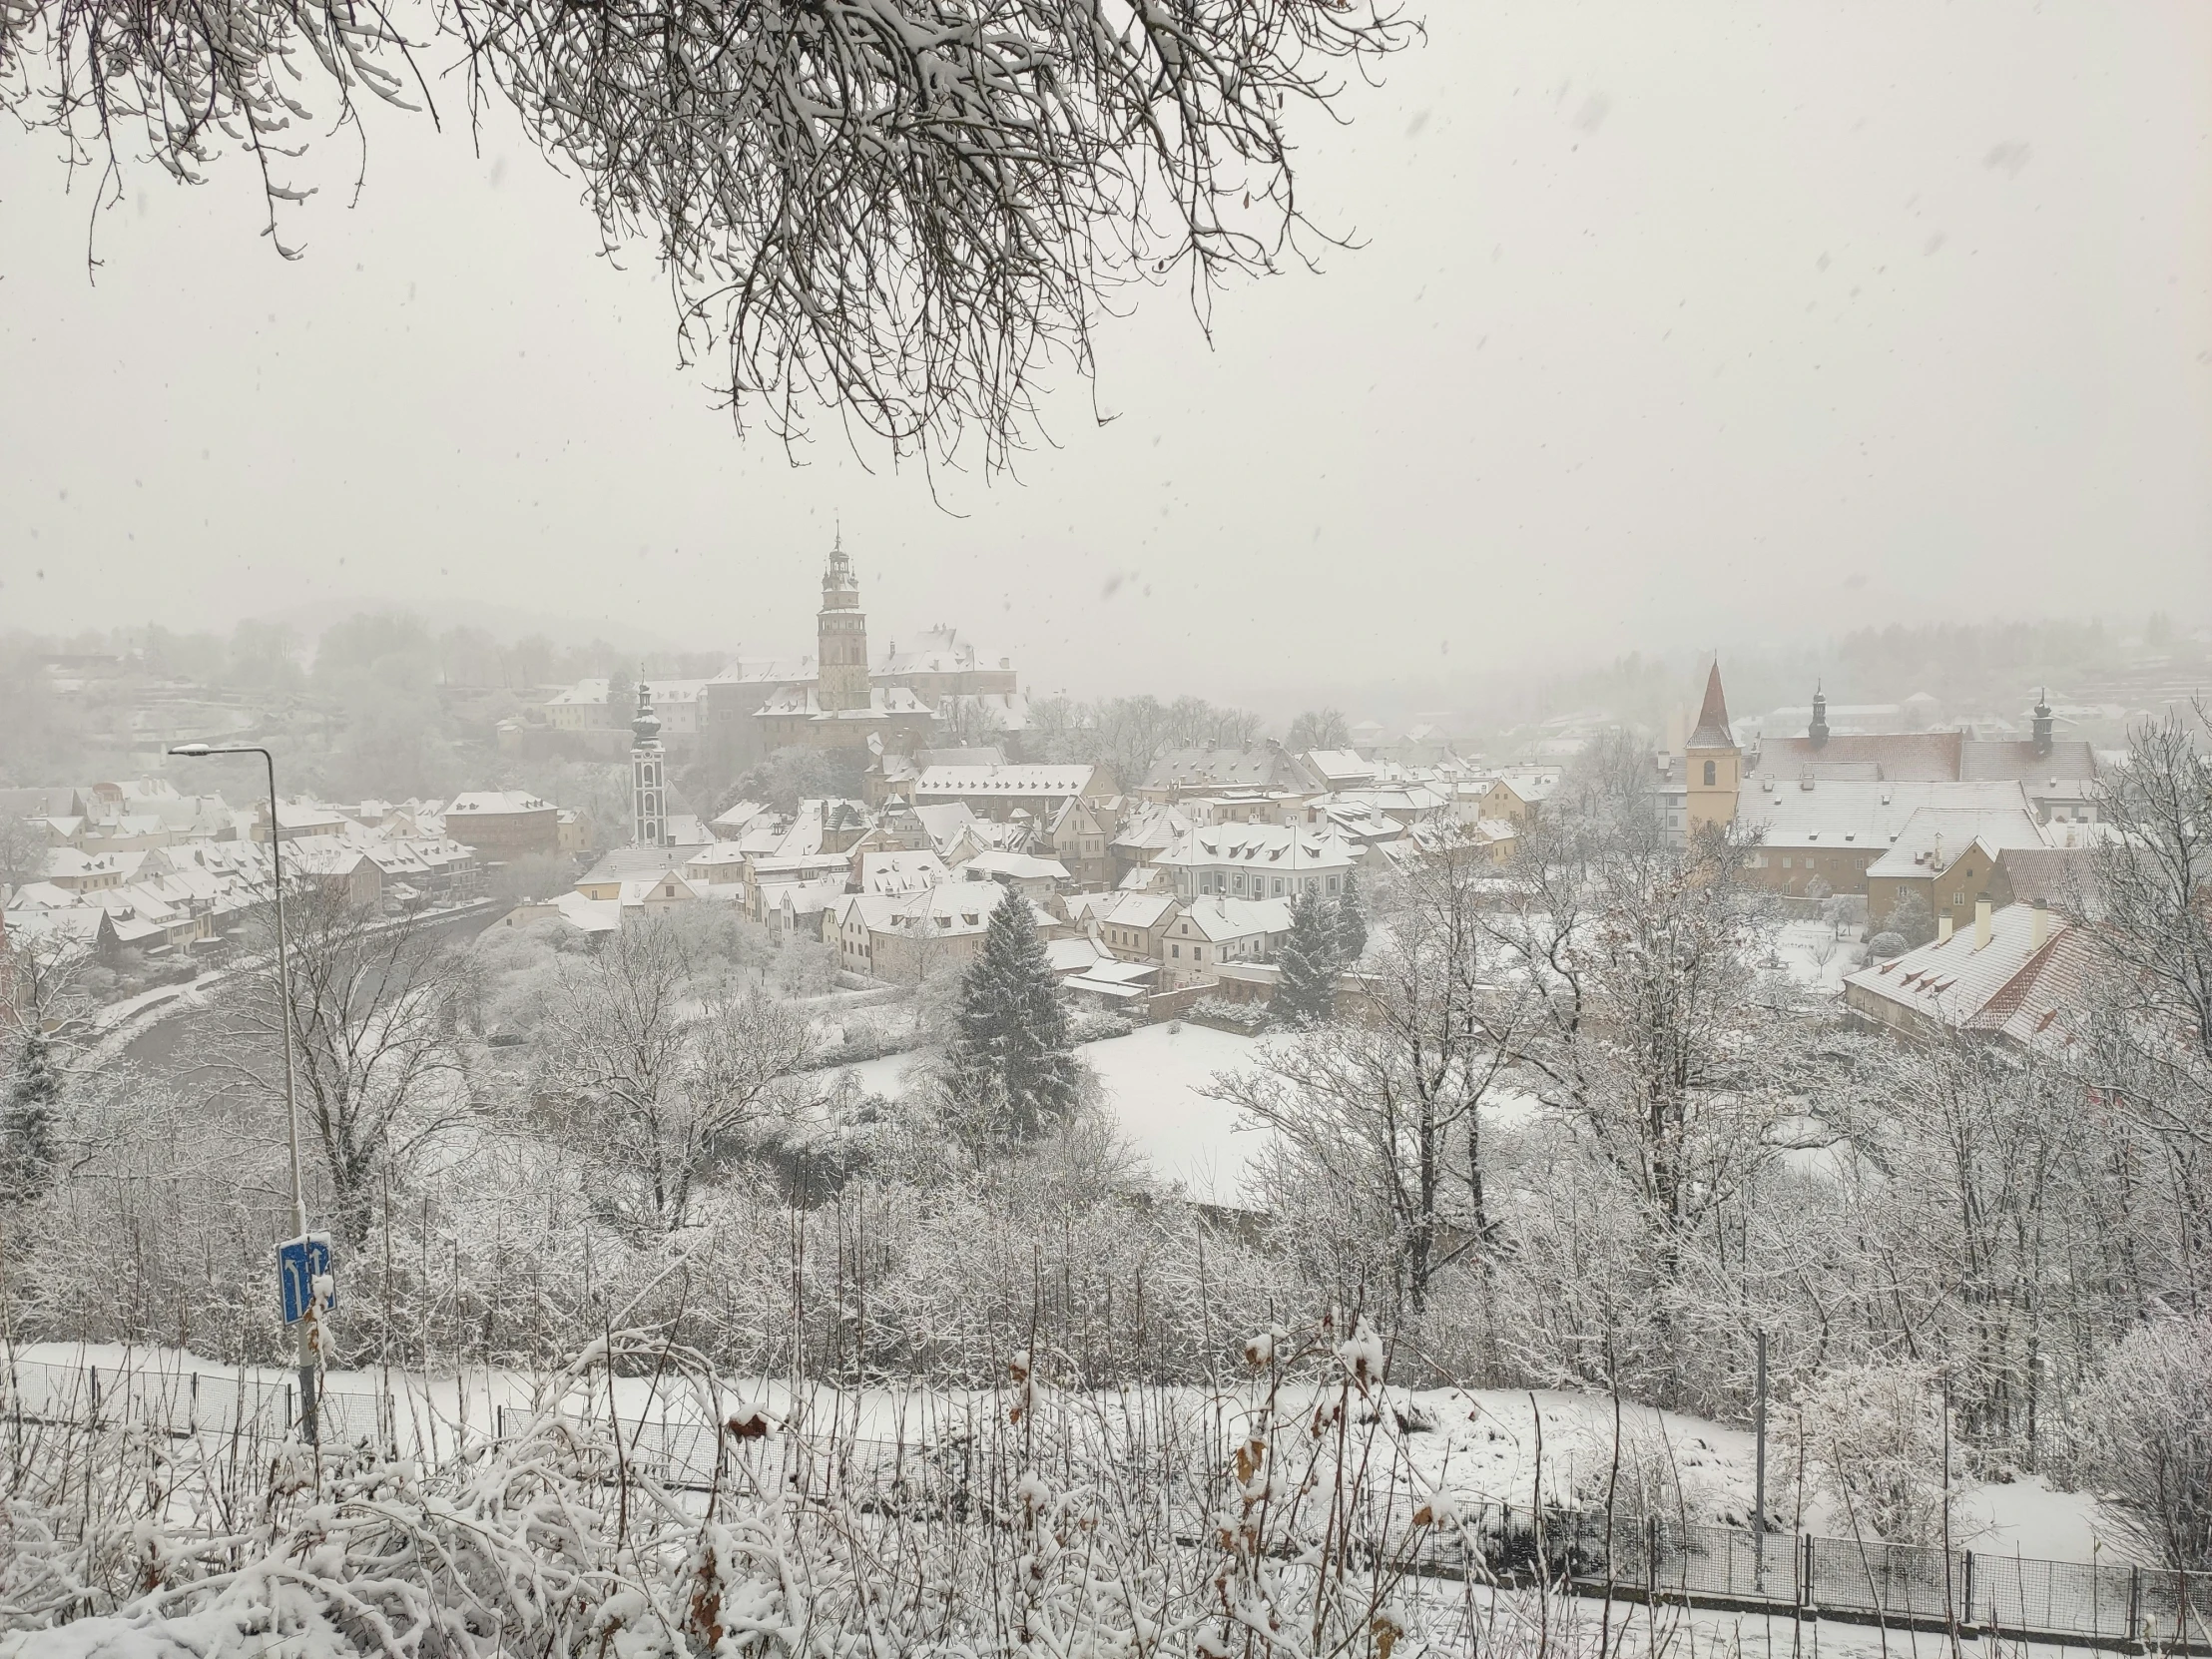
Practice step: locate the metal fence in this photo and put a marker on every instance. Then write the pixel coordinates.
(1803, 1576)
(182, 1404)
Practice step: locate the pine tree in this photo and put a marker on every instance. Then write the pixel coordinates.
(30, 1122)
(1307, 992)
(1012, 1061)
(1348, 922)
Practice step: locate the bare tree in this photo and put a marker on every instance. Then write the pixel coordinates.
(1388, 1099)
(899, 207)
(370, 1018)
(664, 1068)
(2153, 877)
(22, 853)
(1319, 728)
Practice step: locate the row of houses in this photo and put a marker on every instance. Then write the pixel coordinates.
(140, 866)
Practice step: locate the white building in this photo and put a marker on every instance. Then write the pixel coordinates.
(1259, 860)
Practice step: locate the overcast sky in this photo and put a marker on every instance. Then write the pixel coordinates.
(1673, 325)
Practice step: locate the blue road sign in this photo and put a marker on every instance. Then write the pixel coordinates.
(300, 1263)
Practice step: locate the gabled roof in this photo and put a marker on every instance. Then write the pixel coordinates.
(2069, 759)
(1893, 757)
(1936, 838)
(1003, 781)
(1140, 909)
(1852, 813)
(1222, 919)
(2011, 987)
(2062, 877)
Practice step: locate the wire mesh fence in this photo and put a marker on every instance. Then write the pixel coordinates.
(189, 1402)
(2115, 1604)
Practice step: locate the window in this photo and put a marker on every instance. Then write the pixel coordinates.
(1198, 953)
(1712, 773)
(1279, 887)
(1175, 950)
(1786, 863)
(1331, 883)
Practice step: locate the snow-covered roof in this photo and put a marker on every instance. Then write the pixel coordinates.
(1935, 837)
(1280, 848)
(490, 803)
(1838, 812)
(1016, 866)
(2011, 986)
(1140, 909)
(901, 871)
(1003, 781)
(1338, 767)
(1072, 955)
(1222, 919)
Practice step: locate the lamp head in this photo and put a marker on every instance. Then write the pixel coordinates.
(193, 750)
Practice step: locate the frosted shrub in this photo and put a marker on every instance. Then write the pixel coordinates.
(2145, 1439)
(1877, 1435)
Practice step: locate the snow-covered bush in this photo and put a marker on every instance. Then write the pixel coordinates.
(1049, 1523)
(1876, 1440)
(2144, 1439)
(1090, 1025)
(1885, 945)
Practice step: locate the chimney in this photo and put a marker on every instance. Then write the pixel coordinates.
(1981, 923)
(2040, 929)
(1942, 928)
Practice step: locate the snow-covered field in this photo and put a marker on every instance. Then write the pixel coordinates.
(1153, 1079)
(1483, 1444)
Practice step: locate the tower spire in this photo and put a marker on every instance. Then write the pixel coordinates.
(1712, 718)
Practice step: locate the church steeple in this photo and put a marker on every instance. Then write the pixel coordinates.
(840, 633)
(2043, 724)
(1818, 731)
(1714, 765)
(648, 776)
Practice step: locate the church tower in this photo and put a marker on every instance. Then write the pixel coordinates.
(1713, 764)
(648, 777)
(1818, 731)
(840, 633)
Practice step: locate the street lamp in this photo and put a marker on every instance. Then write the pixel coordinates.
(307, 1359)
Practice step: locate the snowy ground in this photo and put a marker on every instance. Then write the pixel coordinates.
(1482, 1444)
(1153, 1078)
(1801, 945)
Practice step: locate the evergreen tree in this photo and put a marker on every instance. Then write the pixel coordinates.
(1348, 922)
(1011, 1061)
(1306, 993)
(29, 1123)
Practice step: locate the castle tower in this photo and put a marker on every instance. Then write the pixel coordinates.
(1713, 764)
(648, 777)
(1818, 731)
(840, 633)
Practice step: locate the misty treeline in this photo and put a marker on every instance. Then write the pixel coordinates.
(1567, 1127)
(1974, 670)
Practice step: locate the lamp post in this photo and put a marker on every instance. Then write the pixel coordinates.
(306, 1356)
(1758, 1497)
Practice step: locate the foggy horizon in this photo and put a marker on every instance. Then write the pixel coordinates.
(1661, 334)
